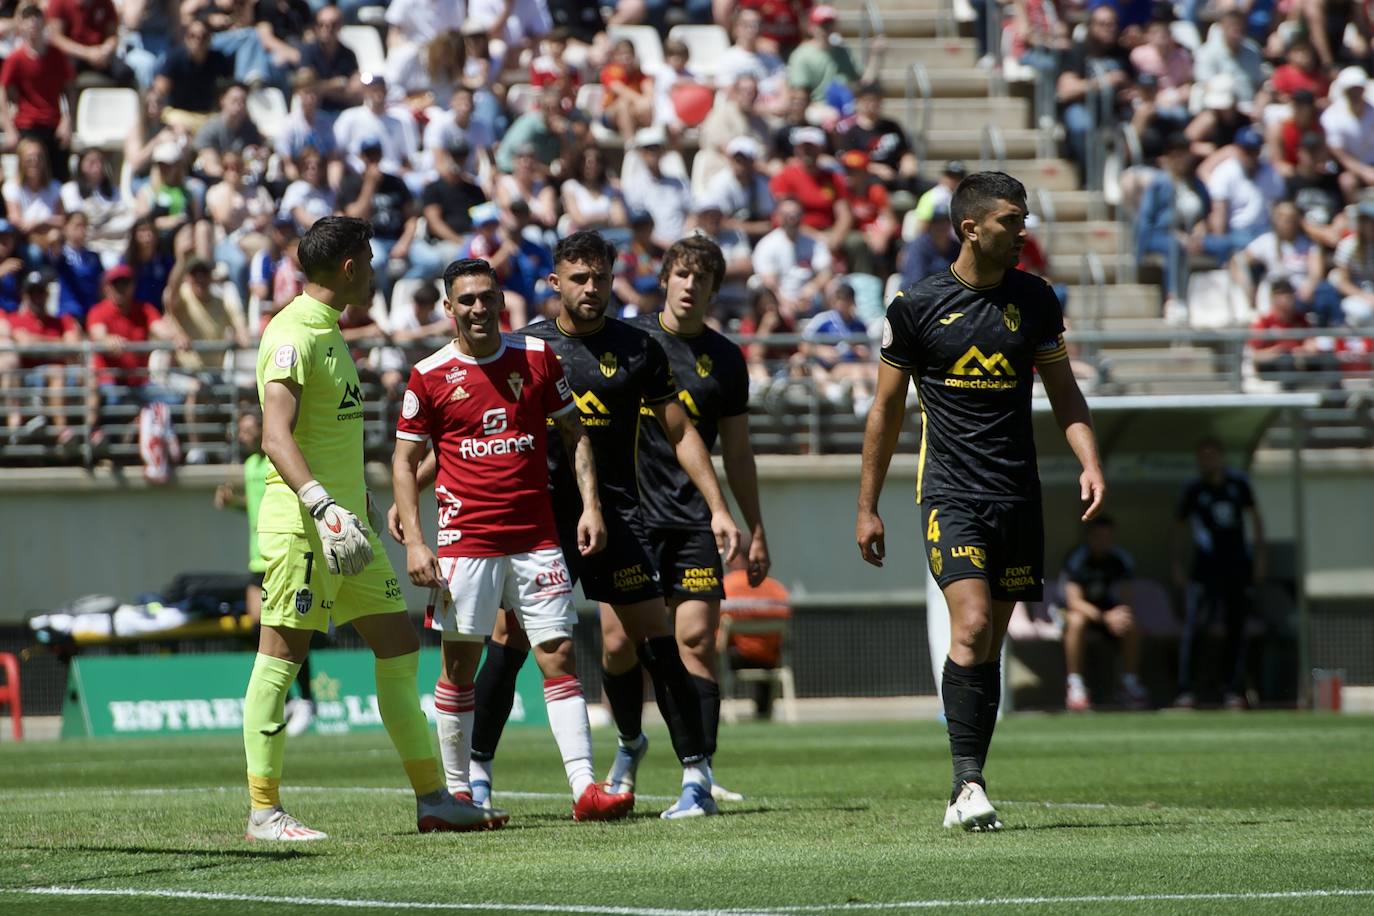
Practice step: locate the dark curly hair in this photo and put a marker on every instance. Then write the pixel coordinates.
(587, 247)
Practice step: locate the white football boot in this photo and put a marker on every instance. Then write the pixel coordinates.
(282, 827)
(972, 810)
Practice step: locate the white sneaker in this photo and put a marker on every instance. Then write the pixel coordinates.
(722, 794)
(972, 810)
(300, 714)
(446, 813)
(695, 801)
(282, 827)
(1175, 313)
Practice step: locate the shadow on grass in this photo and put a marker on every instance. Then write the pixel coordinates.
(1113, 825)
(280, 855)
(211, 859)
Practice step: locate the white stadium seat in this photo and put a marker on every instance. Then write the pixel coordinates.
(105, 116)
(648, 46)
(366, 43)
(706, 46)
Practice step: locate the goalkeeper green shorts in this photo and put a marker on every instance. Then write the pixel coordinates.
(299, 591)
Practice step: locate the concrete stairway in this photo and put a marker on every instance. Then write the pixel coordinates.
(960, 109)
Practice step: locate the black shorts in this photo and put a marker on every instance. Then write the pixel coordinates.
(1002, 542)
(624, 572)
(688, 563)
(257, 578)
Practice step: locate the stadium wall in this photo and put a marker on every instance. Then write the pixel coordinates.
(68, 533)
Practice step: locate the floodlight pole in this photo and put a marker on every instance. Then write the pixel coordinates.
(1300, 557)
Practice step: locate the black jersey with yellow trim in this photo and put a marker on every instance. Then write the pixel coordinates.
(972, 352)
(714, 383)
(611, 371)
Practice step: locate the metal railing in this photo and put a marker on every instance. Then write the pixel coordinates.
(796, 404)
(992, 147)
(918, 86)
(870, 25)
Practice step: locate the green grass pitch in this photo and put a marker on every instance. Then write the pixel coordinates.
(1164, 813)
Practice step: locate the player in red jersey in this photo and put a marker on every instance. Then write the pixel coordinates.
(484, 401)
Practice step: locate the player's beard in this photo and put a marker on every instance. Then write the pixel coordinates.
(587, 311)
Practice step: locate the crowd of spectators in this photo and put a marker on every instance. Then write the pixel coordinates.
(1257, 141)
(486, 128)
(492, 127)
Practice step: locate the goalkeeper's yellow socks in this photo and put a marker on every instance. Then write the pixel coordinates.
(398, 700)
(264, 727)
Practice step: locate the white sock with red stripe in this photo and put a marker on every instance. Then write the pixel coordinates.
(568, 720)
(454, 710)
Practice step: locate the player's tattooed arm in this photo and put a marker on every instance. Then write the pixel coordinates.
(1071, 410)
(880, 441)
(591, 527)
(696, 461)
(742, 475)
(421, 564)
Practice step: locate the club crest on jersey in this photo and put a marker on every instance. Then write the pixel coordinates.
(704, 366)
(937, 561)
(459, 394)
(517, 384)
(410, 405)
(455, 375)
(609, 365)
(304, 600)
(1011, 317)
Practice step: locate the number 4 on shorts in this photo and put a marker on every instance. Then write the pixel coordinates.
(933, 528)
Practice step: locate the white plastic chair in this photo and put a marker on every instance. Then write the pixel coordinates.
(706, 46)
(105, 116)
(267, 110)
(522, 97)
(781, 674)
(365, 42)
(648, 46)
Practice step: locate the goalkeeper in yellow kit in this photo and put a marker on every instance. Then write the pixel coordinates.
(322, 562)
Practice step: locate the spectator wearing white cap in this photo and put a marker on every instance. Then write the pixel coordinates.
(392, 129)
(820, 61)
(1349, 126)
(666, 198)
(792, 262)
(735, 114)
(743, 191)
(822, 193)
(1212, 131)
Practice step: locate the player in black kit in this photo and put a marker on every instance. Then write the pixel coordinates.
(613, 369)
(1211, 518)
(714, 390)
(972, 337)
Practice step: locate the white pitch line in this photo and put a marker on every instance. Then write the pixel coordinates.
(597, 910)
(588, 910)
(309, 790)
(1093, 898)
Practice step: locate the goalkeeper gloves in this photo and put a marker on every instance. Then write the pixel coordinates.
(347, 550)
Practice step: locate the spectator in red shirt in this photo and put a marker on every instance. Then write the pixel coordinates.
(29, 326)
(551, 68)
(122, 375)
(868, 247)
(1300, 71)
(1286, 136)
(1281, 360)
(35, 76)
(87, 31)
(821, 193)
